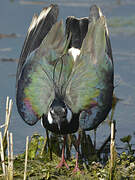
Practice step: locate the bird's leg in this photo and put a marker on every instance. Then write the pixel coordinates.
(48, 142)
(77, 155)
(63, 162)
(95, 130)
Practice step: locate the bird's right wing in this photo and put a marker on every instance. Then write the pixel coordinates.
(43, 71)
(37, 31)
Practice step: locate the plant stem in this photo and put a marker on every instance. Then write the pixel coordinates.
(2, 155)
(112, 145)
(26, 158)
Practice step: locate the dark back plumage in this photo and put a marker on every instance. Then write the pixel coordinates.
(77, 27)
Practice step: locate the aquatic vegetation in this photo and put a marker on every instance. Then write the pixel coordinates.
(39, 165)
(127, 140)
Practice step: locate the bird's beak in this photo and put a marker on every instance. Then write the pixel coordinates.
(59, 125)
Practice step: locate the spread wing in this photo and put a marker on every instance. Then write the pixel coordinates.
(41, 75)
(91, 79)
(38, 29)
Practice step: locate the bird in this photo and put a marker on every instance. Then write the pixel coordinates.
(65, 77)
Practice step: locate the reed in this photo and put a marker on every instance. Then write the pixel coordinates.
(9, 104)
(2, 156)
(7, 143)
(26, 158)
(10, 155)
(112, 150)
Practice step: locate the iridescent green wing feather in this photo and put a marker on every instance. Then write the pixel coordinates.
(82, 89)
(40, 75)
(91, 73)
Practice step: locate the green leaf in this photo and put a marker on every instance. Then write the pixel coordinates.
(126, 139)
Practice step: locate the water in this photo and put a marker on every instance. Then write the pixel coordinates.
(15, 17)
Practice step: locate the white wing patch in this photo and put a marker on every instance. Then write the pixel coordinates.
(75, 52)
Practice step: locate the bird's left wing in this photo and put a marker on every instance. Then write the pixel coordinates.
(91, 83)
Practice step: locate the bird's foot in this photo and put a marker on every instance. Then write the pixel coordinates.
(62, 163)
(76, 169)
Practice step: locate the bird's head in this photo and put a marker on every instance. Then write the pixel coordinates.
(59, 113)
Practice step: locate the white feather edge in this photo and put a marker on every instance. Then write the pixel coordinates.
(43, 14)
(33, 23)
(36, 19)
